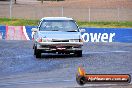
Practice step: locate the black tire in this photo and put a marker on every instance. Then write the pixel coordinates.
(78, 53)
(38, 53)
(35, 50)
(33, 46)
(81, 80)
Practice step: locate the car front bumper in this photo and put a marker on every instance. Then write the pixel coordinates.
(61, 43)
(60, 46)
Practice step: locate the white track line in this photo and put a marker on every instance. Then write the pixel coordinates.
(33, 82)
(118, 51)
(25, 33)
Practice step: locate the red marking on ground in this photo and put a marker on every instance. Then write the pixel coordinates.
(15, 33)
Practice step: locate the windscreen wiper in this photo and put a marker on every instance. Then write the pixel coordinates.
(54, 30)
(72, 31)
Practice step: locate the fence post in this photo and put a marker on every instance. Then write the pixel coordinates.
(118, 14)
(62, 11)
(89, 16)
(15, 2)
(10, 9)
(42, 1)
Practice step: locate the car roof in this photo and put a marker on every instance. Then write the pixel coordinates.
(56, 18)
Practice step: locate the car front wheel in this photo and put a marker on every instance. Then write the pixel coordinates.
(35, 50)
(38, 54)
(78, 53)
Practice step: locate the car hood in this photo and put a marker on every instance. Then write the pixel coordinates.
(59, 35)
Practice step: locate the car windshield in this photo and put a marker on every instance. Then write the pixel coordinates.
(59, 25)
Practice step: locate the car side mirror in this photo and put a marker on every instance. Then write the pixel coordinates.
(82, 30)
(34, 29)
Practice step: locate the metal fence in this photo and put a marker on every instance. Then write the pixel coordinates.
(32, 11)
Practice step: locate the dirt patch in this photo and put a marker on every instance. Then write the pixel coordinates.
(91, 3)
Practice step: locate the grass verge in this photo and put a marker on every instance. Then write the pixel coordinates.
(25, 22)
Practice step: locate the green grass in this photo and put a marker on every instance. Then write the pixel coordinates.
(18, 22)
(25, 22)
(106, 24)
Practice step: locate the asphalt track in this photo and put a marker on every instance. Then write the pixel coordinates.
(20, 69)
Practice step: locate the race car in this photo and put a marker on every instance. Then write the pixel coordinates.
(59, 35)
